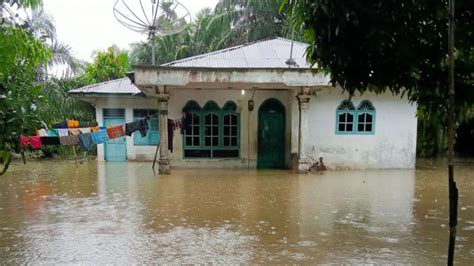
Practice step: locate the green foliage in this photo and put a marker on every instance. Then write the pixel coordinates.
(250, 20)
(58, 105)
(396, 45)
(42, 26)
(23, 3)
(20, 57)
(232, 23)
(108, 65)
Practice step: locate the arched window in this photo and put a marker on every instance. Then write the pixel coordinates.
(345, 117)
(212, 132)
(193, 122)
(355, 121)
(211, 124)
(231, 125)
(365, 117)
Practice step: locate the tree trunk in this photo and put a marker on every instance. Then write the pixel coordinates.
(453, 191)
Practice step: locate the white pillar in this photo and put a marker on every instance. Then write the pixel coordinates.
(164, 162)
(303, 101)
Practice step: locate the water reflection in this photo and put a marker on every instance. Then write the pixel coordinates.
(52, 212)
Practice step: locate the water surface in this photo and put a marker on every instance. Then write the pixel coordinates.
(51, 212)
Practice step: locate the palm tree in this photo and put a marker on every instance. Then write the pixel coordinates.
(198, 38)
(250, 20)
(59, 105)
(167, 48)
(208, 36)
(42, 26)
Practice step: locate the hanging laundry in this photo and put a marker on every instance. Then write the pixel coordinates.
(41, 132)
(24, 141)
(62, 124)
(177, 125)
(52, 133)
(85, 141)
(170, 135)
(72, 123)
(99, 137)
(50, 141)
(63, 132)
(85, 130)
(69, 140)
(143, 127)
(132, 127)
(74, 131)
(115, 132)
(33, 141)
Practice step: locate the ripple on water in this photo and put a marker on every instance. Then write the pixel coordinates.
(306, 243)
(181, 245)
(294, 255)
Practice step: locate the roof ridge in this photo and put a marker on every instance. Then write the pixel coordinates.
(108, 81)
(101, 83)
(114, 82)
(224, 50)
(289, 40)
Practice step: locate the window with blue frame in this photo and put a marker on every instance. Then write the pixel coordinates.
(153, 135)
(211, 131)
(365, 117)
(355, 121)
(345, 117)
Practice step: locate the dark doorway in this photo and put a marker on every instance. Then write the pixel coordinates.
(271, 135)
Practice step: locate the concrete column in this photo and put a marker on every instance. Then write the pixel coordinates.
(303, 100)
(164, 162)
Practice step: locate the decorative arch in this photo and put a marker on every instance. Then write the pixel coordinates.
(230, 106)
(192, 106)
(211, 106)
(366, 106)
(272, 105)
(346, 105)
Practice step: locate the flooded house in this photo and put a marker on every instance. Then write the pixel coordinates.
(256, 105)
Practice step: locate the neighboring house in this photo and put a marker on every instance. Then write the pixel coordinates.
(246, 108)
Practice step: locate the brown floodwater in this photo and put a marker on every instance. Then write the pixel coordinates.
(121, 213)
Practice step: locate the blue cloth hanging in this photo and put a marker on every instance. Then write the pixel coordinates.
(99, 137)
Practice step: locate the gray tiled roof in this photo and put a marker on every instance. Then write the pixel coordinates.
(118, 86)
(270, 53)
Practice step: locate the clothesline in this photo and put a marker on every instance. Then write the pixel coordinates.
(69, 133)
(72, 133)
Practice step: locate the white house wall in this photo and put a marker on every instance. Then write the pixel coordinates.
(178, 99)
(392, 146)
(130, 103)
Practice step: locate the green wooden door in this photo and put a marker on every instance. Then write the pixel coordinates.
(271, 137)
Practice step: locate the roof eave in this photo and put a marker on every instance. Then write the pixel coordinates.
(224, 69)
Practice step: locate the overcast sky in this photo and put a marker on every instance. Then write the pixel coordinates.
(90, 25)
